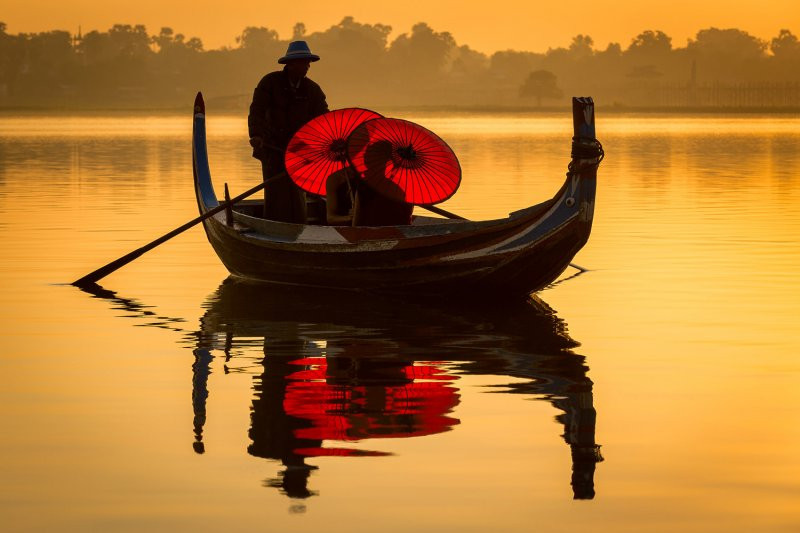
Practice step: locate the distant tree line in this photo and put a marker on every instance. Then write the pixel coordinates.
(128, 67)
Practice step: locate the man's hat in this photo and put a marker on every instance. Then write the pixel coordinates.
(298, 50)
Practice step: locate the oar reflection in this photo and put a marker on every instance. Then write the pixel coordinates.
(333, 370)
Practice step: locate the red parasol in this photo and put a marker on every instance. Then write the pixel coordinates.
(319, 148)
(404, 161)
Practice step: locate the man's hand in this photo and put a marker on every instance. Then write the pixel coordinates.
(256, 142)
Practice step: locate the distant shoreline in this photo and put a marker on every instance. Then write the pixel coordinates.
(612, 109)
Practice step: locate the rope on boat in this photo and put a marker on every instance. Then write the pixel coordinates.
(586, 152)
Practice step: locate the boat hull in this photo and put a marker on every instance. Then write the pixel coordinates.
(516, 255)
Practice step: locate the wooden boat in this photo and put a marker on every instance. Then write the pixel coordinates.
(516, 255)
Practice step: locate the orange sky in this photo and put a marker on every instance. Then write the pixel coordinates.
(485, 26)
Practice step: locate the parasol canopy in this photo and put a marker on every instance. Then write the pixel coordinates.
(319, 148)
(404, 161)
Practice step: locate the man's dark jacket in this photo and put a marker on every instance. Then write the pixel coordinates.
(279, 110)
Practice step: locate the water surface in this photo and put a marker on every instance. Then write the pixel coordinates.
(674, 360)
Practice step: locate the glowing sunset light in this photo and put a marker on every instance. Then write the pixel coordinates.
(485, 27)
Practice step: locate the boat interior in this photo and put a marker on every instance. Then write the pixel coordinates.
(316, 209)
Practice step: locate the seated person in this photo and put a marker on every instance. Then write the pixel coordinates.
(373, 209)
(369, 208)
(339, 194)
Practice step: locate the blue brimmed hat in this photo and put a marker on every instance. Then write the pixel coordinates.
(298, 50)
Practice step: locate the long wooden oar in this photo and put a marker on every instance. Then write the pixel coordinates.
(104, 271)
(113, 266)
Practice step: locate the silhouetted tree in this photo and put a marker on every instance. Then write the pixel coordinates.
(648, 56)
(467, 63)
(129, 41)
(731, 43)
(727, 55)
(15, 60)
(258, 51)
(257, 38)
(581, 47)
(298, 31)
(125, 66)
(785, 45)
(573, 66)
(44, 67)
(168, 42)
(508, 69)
(421, 56)
(7, 56)
(608, 64)
(122, 42)
(354, 59)
(176, 67)
(115, 65)
(650, 44)
(785, 58)
(540, 84)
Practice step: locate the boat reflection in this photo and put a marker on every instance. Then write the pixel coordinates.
(333, 370)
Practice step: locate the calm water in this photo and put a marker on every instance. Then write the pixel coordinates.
(677, 354)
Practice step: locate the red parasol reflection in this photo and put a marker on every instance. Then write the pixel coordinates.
(319, 148)
(404, 161)
(388, 404)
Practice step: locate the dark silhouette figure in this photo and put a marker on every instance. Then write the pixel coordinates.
(282, 102)
(372, 208)
(201, 369)
(340, 190)
(351, 201)
(273, 432)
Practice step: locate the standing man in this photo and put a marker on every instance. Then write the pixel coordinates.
(282, 102)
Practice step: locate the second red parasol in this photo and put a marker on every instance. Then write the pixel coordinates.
(319, 148)
(404, 161)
